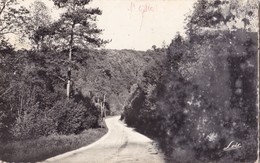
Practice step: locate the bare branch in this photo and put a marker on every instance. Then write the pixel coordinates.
(2, 9)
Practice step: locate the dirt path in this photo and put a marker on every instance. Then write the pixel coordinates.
(120, 144)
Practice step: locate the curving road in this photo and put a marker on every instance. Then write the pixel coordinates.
(120, 145)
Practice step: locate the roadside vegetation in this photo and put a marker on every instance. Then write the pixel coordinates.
(35, 108)
(202, 94)
(34, 150)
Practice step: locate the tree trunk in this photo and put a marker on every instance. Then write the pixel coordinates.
(69, 73)
(70, 59)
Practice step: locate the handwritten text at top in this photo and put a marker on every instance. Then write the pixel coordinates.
(142, 8)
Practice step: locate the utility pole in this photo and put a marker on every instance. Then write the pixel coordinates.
(104, 109)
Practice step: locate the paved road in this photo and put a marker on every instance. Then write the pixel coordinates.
(120, 145)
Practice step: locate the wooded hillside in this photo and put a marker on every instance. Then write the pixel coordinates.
(33, 86)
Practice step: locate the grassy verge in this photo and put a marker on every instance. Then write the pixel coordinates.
(46, 147)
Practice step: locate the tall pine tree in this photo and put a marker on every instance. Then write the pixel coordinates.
(77, 28)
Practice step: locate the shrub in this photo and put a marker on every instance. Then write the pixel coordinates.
(74, 117)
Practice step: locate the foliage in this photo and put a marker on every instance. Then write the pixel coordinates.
(202, 100)
(11, 18)
(32, 99)
(199, 114)
(222, 15)
(112, 72)
(74, 118)
(39, 18)
(5, 46)
(46, 147)
(76, 27)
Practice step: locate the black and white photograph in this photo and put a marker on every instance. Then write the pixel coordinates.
(129, 81)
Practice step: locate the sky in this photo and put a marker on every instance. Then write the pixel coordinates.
(137, 24)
